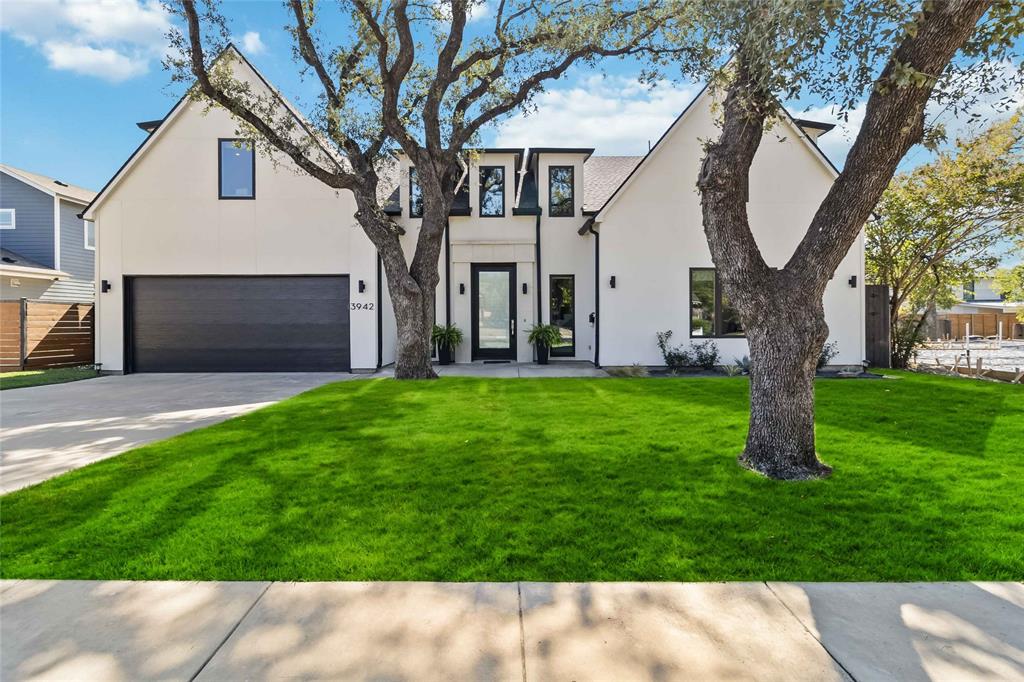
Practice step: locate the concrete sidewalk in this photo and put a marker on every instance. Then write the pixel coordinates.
(511, 631)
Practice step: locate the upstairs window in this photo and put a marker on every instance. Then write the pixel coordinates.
(7, 219)
(560, 192)
(492, 191)
(415, 196)
(711, 315)
(90, 235)
(237, 169)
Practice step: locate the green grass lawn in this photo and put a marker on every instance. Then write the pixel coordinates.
(547, 479)
(41, 377)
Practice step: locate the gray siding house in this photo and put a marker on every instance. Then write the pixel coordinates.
(48, 252)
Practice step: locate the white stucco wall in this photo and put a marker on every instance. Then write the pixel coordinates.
(164, 218)
(652, 234)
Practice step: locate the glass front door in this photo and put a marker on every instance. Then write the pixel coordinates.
(494, 312)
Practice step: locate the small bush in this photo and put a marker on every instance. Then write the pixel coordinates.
(743, 364)
(828, 351)
(676, 358)
(633, 371)
(706, 354)
(732, 370)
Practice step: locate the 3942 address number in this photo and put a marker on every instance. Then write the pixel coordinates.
(361, 306)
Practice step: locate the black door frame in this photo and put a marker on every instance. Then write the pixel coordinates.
(492, 353)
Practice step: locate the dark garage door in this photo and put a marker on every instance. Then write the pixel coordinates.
(239, 324)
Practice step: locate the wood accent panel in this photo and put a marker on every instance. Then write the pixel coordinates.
(47, 334)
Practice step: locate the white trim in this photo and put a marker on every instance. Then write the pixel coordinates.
(14, 218)
(85, 235)
(56, 232)
(8, 270)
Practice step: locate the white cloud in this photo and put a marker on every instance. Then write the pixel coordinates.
(252, 43)
(478, 9)
(615, 114)
(103, 63)
(110, 39)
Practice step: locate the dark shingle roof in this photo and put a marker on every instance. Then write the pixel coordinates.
(10, 258)
(602, 175)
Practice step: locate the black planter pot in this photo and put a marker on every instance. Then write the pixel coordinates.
(444, 355)
(542, 354)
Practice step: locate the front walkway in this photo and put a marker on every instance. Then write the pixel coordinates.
(511, 631)
(47, 430)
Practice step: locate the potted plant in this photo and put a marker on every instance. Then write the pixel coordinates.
(543, 337)
(447, 339)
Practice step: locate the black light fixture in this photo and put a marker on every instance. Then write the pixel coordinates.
(611, 282)
(362, 286)
(524, 287)
(462, 289)
(105, 286)
(853, 281)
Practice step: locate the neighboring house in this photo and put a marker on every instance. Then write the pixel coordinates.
(986, 311)
(214, 257)
(48, 251)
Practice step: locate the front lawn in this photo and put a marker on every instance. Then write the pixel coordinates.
(547, 480)
(42, 377)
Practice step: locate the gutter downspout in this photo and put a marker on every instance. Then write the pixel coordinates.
(588, 227)
(540, 281)
(447, 273)
(380, 315)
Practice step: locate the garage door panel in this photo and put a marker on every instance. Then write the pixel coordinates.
(259, 323)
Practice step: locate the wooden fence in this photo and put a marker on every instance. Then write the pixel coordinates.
(44, 334)
(982, 324)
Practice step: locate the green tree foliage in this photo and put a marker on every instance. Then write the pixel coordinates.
(942, 224)
(1009, 282)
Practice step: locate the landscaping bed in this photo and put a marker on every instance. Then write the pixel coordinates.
(546, 480)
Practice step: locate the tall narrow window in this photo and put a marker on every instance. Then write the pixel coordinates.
(415, 195)
(711, 315)
(560, 191)
(7, 219)
(492, 191)
(237, 169)
(90, 235)
(563, 313)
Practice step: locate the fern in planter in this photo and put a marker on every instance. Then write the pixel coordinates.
(543, 337)
(447, 339)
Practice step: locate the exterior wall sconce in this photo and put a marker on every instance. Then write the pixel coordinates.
(853, 281)
(462, 289)
(524, 287)
(362, 286)
(105, 286)
(611, 282)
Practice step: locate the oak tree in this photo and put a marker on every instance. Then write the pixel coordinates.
(903, 57)
(415, 75)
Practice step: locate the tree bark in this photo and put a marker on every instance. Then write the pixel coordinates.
(785, 344)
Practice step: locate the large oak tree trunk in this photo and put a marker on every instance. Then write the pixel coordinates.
(785, 344)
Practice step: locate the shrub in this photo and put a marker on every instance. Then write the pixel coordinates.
(676, 358)
(743, 364)
(706, 354)
(828, 351)
(732, 370)
(448, 336)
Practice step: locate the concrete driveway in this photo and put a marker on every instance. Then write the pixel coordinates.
(47, 430)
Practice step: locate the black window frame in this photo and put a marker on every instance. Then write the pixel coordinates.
(480, 193)
(572, 192)
(220, 168)
(716, 323)
(412, 183)
(563, 351)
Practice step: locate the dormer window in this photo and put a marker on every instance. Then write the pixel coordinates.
(492, 191)
(415, 196)
(237, 165)
(7, 219)
(561, 203)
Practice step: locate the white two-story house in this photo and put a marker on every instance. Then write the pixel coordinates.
(214, 257)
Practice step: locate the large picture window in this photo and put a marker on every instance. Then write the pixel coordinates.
(560, 192)
(563, 313)
(415, 195)
(492, 191)
(237, 163)
(711, 315)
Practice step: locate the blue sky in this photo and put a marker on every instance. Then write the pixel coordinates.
(77, 76)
